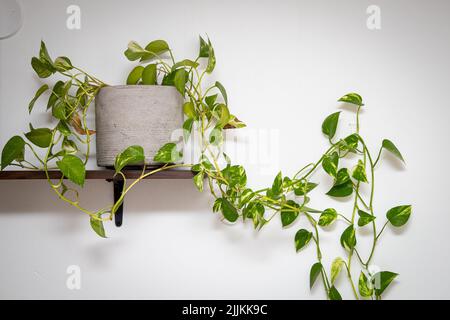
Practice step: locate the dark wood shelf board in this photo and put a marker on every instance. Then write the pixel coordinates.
(101, 174)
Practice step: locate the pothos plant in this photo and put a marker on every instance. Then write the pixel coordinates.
(65, 146)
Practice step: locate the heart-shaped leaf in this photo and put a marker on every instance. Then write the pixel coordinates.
(352, 98)
(398, 216)
(334, 294)
(327, 217)
(330, 123)
(336, 268)
(364, 286)
(364, 218)
(330, 164)
(382, 280)
(41, 137)
(289, 212)
(97, 226)
(149, 75)
(73, 168)
(135, 75)
(302, 238)
(168, 153)
(229, 211)
(14, 149)
(348, 238)
(133, 155)
(390, 146)
(40, 91)
(316, 269)
(359, 172)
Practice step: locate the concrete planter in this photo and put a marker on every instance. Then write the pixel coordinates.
(135, 115)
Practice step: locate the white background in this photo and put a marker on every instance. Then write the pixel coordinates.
(284, 64)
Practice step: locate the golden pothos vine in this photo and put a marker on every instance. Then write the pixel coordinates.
(66, 147)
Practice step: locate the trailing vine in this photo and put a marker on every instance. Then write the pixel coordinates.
(66, 147)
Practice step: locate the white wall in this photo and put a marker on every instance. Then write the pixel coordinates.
(284, 64)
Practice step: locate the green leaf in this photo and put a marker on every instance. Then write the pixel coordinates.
(168, 79)
(223, 92)
(198, 181)
(329, 126)
(343, 185)
(149, 75)
(342, 176)
(180, 80)
(155, 48)
(63, 64)
(189, 110)
(348, 238)
(336, 268)
(216, 136)
(168, 153)
(210, 100)
(364, 286)
(56, 94)
(255, 211)
(97, 226)
(398, 216)
(135, 75)
(185, 63)
(14, 149)
(359, 172)
(327, 217)
(44, 56)
(289, 212)
(69, 146)
(277, 187)
(204, 49)
(352, 98)
(390, 146)
(41, 137)
(133, 155)
(235, 176)
(350, 143)
(59, 110)
(187, 128)
(334, 294)
(134, 51)
(302, 238)
(364, 218)
(229, 211)
(342, 190)
(207, 165)
(64, 128)
(211, 58)
(382, 280)
(40, 91)
(245, 197)
(42, 69)
(304, 188)
(217, 206)
(224, 115)
(330, 164)
(316, 269)
(73, 168)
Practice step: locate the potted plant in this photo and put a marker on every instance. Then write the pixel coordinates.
(67, 147)
(145, 111)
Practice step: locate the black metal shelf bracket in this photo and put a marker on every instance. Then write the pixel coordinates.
(118, 184)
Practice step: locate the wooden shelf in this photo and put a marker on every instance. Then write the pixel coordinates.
(100, 174)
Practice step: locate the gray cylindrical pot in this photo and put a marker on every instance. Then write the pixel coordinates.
(135, 115)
